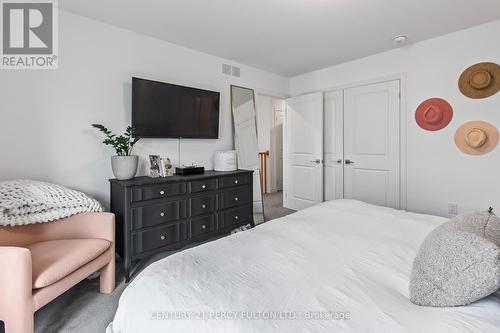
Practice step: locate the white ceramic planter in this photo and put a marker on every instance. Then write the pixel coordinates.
(124, 167)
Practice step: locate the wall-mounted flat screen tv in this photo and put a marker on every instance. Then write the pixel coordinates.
(164, 110)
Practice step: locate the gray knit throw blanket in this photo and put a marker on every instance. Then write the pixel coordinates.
(28, 202)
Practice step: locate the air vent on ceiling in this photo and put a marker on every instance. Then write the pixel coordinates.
(231, 70)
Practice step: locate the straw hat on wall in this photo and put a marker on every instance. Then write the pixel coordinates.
(480, 80)
(476, 137)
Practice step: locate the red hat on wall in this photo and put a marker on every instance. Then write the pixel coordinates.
(434, 114)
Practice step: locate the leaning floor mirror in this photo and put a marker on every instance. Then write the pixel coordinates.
(245, 141)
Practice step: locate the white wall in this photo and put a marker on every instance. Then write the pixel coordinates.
(438, 172)
(265, 121)
(45, 116)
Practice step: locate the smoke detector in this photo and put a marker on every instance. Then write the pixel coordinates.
(400, 39)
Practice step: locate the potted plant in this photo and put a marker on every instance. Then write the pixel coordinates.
(123, 164)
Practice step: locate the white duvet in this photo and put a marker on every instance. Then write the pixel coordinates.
(342, 266)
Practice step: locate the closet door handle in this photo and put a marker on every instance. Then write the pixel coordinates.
(349, 162)
(317, 161)
(339, 161)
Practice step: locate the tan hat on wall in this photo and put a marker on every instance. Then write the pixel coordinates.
(476, 137)
(480, 80)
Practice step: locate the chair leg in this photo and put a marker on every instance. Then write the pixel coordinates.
(107, 278)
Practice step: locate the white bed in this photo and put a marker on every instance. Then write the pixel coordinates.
(340, 256)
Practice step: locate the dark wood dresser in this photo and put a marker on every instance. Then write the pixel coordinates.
(164, 214)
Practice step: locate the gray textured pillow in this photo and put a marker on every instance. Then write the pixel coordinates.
(458, 262)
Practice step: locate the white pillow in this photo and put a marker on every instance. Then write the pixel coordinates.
(458, 262)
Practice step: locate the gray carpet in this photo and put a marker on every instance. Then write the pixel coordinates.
(82, 309)
(273, 206)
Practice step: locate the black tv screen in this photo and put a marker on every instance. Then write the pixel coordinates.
(164, 110)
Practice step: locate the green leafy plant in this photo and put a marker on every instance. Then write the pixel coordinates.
(122, 144)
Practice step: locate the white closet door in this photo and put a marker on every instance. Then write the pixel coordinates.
(334, 145)
(303, 178)
(372, 143)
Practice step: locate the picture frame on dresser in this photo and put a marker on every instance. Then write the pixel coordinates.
(155, 215)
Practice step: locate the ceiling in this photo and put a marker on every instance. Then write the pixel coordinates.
(289, 37)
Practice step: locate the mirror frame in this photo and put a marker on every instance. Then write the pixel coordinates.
(256, 133)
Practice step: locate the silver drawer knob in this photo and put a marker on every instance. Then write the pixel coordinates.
(162, 192)
(162, 214)
(236, 217)
(235, 198)
(203, 226)
(236, 181)
(203, 186)
(163, 237)
(203, 206)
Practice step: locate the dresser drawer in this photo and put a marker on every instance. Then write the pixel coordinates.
(236, 180)
(157, 214)
(158, 191)
(235, 216)
(202, 226)
(201, 205)
(155, 238)
(201, 185)
(233, 198)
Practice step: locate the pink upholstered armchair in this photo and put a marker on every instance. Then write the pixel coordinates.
(39, 262)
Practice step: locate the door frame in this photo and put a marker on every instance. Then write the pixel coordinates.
(272, 165)
(274, 152)
(403, 173)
